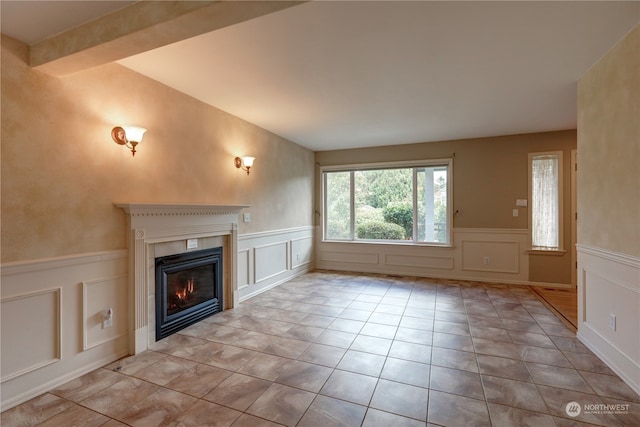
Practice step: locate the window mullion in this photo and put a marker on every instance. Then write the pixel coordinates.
(352, 203)
(415, 205)
(325, 210)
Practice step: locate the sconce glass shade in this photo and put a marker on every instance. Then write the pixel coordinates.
(134, 133)
(248, 161)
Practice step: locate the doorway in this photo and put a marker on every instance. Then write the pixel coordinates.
(564, 302)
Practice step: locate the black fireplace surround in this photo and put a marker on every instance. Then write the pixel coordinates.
(188, 289)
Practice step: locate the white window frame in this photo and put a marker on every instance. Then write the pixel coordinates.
(415, 164)
(539, 249)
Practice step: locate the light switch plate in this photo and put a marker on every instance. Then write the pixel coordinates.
(522, 203)
(192, 243)
(612, 321)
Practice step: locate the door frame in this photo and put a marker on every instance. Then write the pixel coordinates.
(574, 216)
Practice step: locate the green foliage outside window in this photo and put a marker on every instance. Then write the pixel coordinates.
(400, 213)
(383, 204)
(378, 230)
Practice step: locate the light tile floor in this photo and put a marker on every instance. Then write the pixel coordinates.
(329, 349)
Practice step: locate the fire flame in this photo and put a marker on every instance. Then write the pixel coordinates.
(188, 290)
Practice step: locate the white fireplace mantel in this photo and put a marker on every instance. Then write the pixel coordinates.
(153, 223)
(167, 209)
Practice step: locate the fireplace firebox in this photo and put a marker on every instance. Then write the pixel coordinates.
(188, 289)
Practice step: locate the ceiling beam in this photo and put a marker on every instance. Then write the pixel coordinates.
(143, 26)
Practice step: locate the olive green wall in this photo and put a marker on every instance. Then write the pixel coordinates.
(489, 174)
(62, 172)
(609, 150)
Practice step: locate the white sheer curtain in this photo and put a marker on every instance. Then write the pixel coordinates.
(545, 226)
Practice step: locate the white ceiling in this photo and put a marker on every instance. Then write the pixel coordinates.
(330, 75)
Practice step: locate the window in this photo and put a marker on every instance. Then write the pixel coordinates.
(545, 193)
(401, 202)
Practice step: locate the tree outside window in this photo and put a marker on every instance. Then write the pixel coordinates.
(388, 204)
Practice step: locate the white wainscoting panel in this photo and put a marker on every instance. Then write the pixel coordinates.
(97, 297)
(45, 341)
(244, 268)
(491, 256)
(464, 259)
(341, 255)
(301, 251)
(609, 283)
(445, 263)
(268, 259)
(35, 315)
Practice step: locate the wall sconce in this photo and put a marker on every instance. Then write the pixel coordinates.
(245, 163)
(129, 136)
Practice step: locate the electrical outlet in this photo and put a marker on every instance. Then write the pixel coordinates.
(246, 217)
(486, 260)
(612, 321)
(515, 212)
(107, 320)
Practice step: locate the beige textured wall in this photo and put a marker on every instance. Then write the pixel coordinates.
(609, 150)
(489, 174)
(61, 171)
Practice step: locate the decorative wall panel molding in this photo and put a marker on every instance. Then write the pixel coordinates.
(346, 257)
(496, 255)
(270, 260)
(98, 296)
(45, 297)
(608, 285)
(301, 251)
(273, 258)
(30, 323)
(445, 263)
(490, 256)
(244, 268)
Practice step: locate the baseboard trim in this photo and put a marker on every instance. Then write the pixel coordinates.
(50, 385)
(589, 340)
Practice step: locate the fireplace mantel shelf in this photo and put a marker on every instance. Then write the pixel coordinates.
(165, 209)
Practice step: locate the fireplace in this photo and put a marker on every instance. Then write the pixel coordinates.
(188, 289)
(157, 229)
